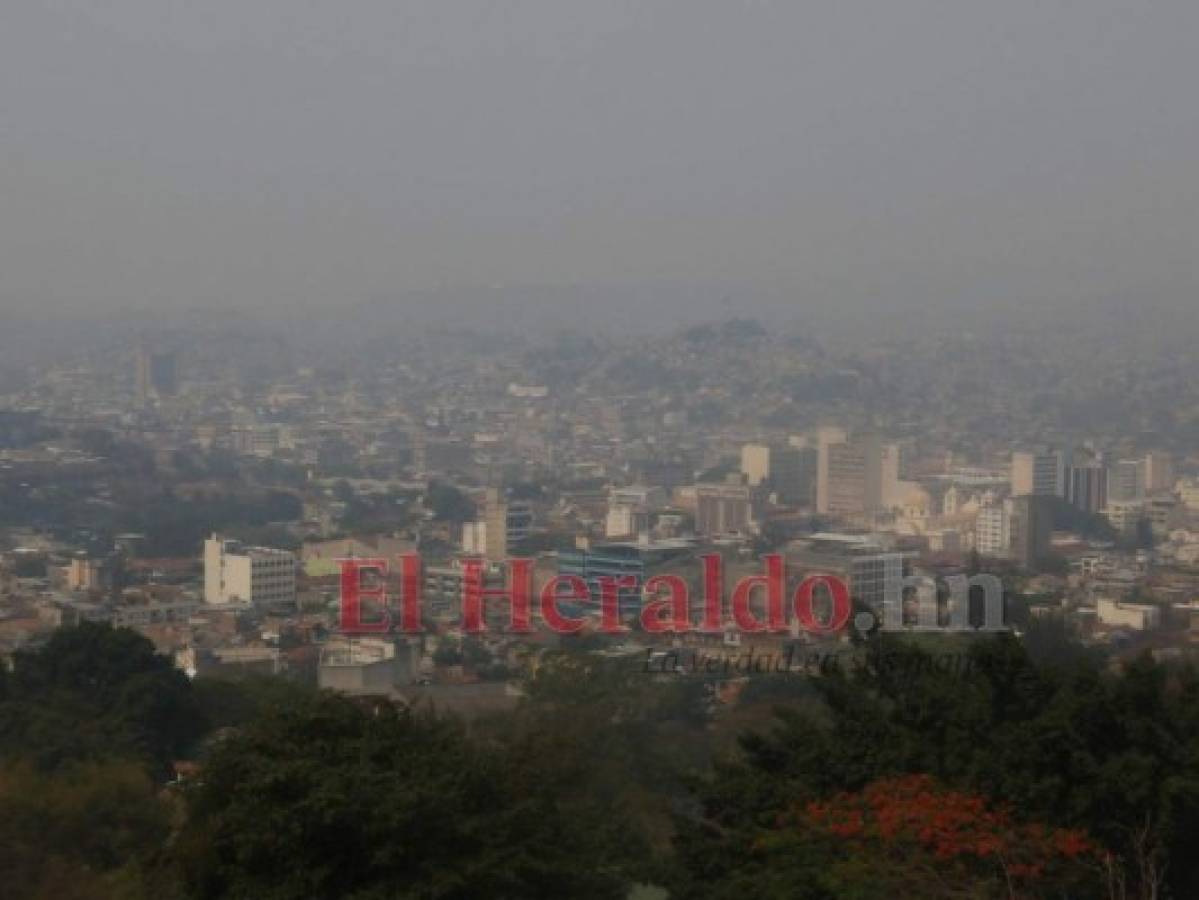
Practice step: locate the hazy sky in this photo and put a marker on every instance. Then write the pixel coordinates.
(285, 153)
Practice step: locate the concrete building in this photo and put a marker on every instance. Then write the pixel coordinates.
(1133, 479)
(365, 665)
(630, 510)
(1086, 486)
(755, 463)
(1163, 515)
(1125, 516)
(1018, 528)
(722, 509)
(1030, 527)
(229, 660)
(862, 561)
(793, 474)
(623, 559)
(258, 576)
(1159, 472)
(846, 488)
(154, 612)
(1040, 472)
(787, 470)
(1127, 481)
(945, 540)
(826, 438)
(85, 575)
(500, 525)
(1136, 616)
(992, 535)
(1188, 491)
(487, 536)
(855, 477)
(156, 374)
(518, 522)
(320, 558)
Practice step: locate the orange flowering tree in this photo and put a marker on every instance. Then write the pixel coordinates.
(916, 837)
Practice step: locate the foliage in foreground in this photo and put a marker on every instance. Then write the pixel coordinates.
(1011, 778)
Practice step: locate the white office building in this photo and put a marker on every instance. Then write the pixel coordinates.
(992, 531)
(237, 574)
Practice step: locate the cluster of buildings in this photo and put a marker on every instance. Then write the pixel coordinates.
(465, 450)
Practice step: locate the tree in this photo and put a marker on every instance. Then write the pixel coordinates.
(911, 836)
(1069, 744)
(448, 503)
(90, 832)
(96, 692)
(328, 798)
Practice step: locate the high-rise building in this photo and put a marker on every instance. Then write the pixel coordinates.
(237, 574)
(847, 467)
(518, 522)
(1086, 486)
(1126, 481)
(1159, 472)
(487, 535)
(992, 535)
(888, 491)
(157, 374)
(855, 477)
(84, 574)
(826, 438)
(494, 516)
(498, 526)
(755, 463)
(787, 470)
(1039, 472)
(1030, 527)
(793, 474)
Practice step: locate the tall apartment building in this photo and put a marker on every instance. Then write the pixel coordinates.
(85, 574)
(1126, 481)
(157, 374)
(992, 536)
(788, 470)
(793, 473)
(1030, 527)
(518, 522)
(826, 438)
(1159, 472)
(1039, 472)
(755, 463)
(499, 526)
(855, 477)
(1086, 486)
(1135, 479)
(237, 574)
(1019, 529)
